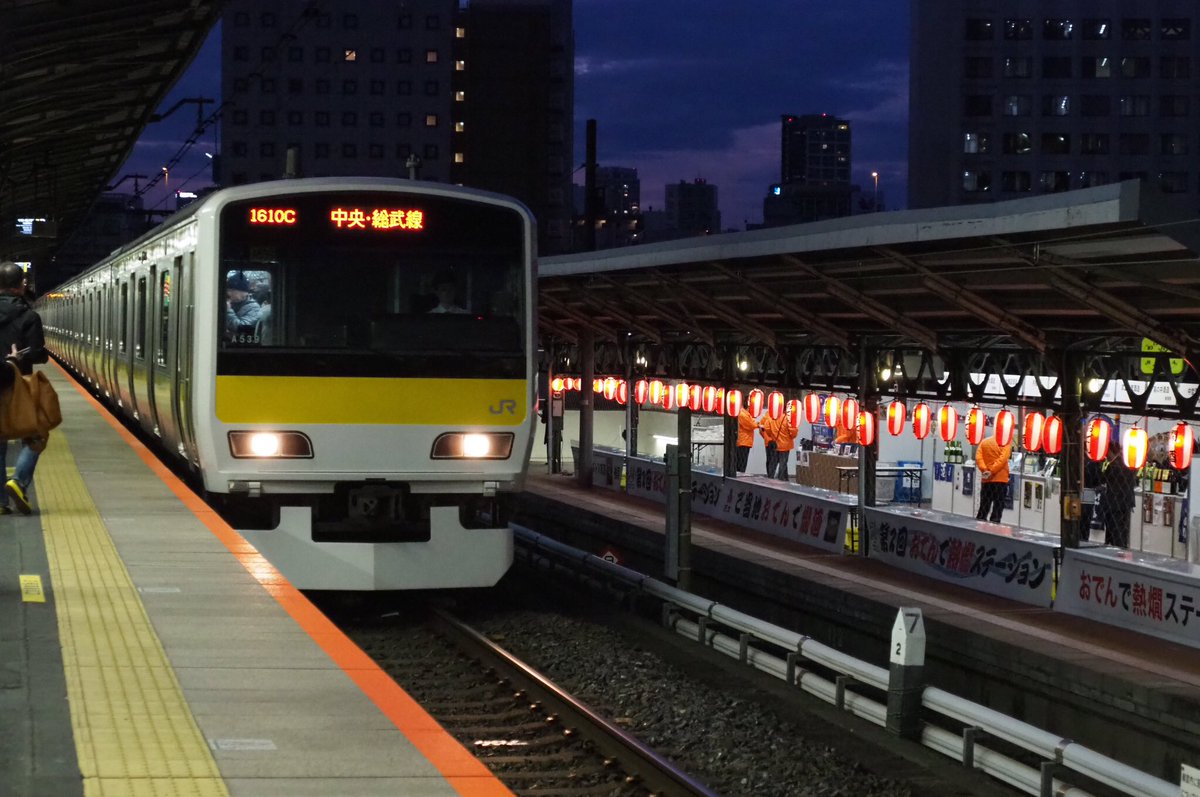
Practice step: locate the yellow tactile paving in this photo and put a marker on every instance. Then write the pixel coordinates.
(134, 732)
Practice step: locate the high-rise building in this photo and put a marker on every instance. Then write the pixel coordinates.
(477, 94)
(618, 208)
(814, 171)
(1010, 98)
(692, 208)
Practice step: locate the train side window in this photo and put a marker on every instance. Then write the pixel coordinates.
(139, 321)
(164, 316)
(123, 329)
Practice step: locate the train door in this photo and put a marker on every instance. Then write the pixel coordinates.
(163, 359)
(137, 348)
(148, 317)
(123, 361)
(108, 353)
(184, 333)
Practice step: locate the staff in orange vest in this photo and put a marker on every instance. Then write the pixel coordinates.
(785, 441)
(992, 459)
(768, 427)
(745, 438)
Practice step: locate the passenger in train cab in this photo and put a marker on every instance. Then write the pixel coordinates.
(21, 334)
(445, 287)
(785, 441)
(745, 438)
(242, 312)
(992, 460)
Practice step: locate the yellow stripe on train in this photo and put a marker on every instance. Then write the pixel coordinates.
(358, 400)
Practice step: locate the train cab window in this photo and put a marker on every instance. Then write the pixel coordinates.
(381, 298)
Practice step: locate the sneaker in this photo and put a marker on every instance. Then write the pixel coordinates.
(17, 494)
(5, 509)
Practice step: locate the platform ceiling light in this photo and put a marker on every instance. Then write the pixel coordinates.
(754, 402)
(812, 407)
(1095, 385)
(921, 419)
(1099, 434)
(743, 366)
(1031, 434)
(896, 413)
(1005, 425)
(866, 428)
(733, 403)
(976, 426)
(947, 423)
(849, 413)
(832, 411)
(775, 403)
(1179, 450)
(1052, 435)
(1134, 444)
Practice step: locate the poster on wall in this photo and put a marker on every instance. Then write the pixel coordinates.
(1018, 565)
(968, 481)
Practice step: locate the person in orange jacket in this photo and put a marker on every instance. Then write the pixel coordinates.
(785, 441)
(745, 438)
(992, 459)
(769, 429)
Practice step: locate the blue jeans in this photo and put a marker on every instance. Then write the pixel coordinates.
(23, 473)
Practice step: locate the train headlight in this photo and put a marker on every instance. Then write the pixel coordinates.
(270, 445)
(473, 445)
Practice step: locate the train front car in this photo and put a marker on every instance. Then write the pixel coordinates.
(372, 348)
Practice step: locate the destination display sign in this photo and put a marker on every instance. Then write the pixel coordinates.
(344, 218)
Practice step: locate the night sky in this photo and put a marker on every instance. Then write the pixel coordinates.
(682, 89)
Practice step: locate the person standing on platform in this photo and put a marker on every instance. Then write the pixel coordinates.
(785, 441)
(20, 333)
(1117, 502)
(745, 438)
(992, 459)
(769, 428)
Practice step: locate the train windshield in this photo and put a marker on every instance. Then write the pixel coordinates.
(372, 284)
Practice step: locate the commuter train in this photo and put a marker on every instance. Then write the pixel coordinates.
(344, 366)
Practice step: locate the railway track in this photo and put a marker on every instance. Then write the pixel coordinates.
(538, 739)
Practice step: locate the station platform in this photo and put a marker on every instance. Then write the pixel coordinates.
(147, 649)
(1131, 696)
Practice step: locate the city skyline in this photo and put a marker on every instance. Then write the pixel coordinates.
(640, 68)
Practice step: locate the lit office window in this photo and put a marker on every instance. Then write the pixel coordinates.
(431, 120)
(459, 96)
(459, 157)
(977, 143)
(349, 55)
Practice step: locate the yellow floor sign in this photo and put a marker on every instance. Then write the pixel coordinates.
(31, 589)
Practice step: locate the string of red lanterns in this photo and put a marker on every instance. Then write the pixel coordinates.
(1039, 432)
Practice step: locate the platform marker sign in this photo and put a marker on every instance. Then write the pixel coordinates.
(31, 589)
(1189, 781)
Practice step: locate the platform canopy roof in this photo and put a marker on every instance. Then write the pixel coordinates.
(79, 80)
(1116, 261)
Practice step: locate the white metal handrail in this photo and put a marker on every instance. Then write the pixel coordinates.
(1051, 747)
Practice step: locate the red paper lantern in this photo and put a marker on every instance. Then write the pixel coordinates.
(577, 384)
(641, 391)
(849, 413)
(793, 413)
(812, 407)
(947, 423)
(866, 428)
(610, 388)
(895, 417)
(1134, 444)
(622, 392)
(656, 391)
(775, 405)
(681, 393)
(976, 426)
(557, 384)
(754, 402)
(1052, 435)
(733, 403)
(921, 420)
(1004, 427)
(1031, 436)
(597, 385)
(708, 400)
(1180, 449)
(1099, 434)
(833, 408)
(668, 399)
(695, 397)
